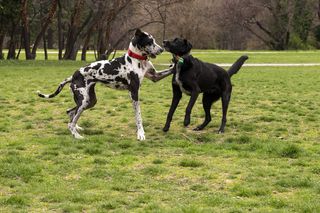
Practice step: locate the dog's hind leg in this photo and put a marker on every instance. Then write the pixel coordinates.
(78, 99)
(71, 113)
(82, 97)
(207, 101)
(225, 98)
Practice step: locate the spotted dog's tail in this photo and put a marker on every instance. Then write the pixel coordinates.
(61, 85)
(237, 65)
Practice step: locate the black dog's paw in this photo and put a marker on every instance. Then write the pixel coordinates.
(221, 131)
(166, 128)
(198, 128)
(186, 121)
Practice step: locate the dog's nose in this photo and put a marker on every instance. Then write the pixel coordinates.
(161, 50)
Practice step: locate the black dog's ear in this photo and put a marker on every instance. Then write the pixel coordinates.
(138, 32)
(188, 44)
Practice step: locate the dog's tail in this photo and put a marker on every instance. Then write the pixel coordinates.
(61, 85)
(237, 65)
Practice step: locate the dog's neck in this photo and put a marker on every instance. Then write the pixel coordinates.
(134, 52)
(176, 58)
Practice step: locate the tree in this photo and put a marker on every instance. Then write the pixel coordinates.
(9, 13)
(302, 19)
(44, 27)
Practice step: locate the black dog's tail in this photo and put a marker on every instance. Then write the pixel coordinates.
(57, 91)
(237, 65)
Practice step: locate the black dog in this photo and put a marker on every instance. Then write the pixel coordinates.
(192, 77)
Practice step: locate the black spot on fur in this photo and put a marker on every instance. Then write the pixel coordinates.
(139, 65)
(122, 80)
(100, 72)
(97, 66)
(87, 69)
(134, 85)
(129, 60)
(141, 40)
(111, 69)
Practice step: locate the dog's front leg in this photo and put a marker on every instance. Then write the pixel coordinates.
(157, 76)
(137, 111)
(177, 94)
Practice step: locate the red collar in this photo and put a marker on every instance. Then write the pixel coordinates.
(134, 55)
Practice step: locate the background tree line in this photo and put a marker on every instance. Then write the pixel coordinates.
(73, 26)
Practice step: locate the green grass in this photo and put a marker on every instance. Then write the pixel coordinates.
(267, 160)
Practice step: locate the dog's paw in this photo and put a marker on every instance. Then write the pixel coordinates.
(78, 136)
(140, 135)
(166, 128)
(198, 128)
(186, 121)
(220, 131)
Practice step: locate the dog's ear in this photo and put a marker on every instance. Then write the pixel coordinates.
(188, 44)
(138, 32)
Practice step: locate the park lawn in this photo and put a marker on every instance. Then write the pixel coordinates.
(217, 56)
(268, 160)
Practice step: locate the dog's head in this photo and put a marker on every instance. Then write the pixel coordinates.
(178, 46)
(146, 44)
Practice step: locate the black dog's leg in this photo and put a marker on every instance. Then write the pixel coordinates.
(225, 103)
(177, 94)
(207, 101)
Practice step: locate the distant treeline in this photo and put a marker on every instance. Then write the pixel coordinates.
(106, 25)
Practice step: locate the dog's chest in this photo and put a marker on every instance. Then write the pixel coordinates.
(177, 79)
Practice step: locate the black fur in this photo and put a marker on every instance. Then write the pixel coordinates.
(193, 77)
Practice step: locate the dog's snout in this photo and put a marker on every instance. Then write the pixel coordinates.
(161, 50)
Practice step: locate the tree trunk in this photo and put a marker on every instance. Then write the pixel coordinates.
(12, 42)
(85, 47)
(25, 25)
(45, 47)
(44, 27)
(319, 9)
(60, 35)
(1, 46)
(73, 32)
(50, 38)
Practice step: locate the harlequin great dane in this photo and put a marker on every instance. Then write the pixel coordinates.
(123, 73)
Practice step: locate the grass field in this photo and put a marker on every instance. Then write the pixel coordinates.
(268, 160)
